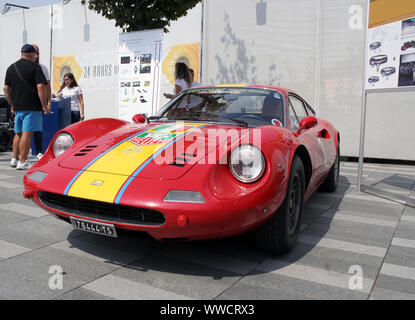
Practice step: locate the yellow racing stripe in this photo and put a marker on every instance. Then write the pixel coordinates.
(102, 180)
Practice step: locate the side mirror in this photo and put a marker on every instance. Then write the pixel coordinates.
(139, 118)
(307, 123)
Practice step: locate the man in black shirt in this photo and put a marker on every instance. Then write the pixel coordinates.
(25, 91)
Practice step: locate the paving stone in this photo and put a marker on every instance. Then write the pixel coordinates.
(211, 259)
(327, 263)
(243, 291)
(119, 251)
(346, 246)
(386, 294)
(395, 283)
(339, 217)
(405, 231)
(352, 258)
(364, 206)
(179, 277)
(36, 233)
(20, 282)
(123, 289)
(401, 256)
(30, 210)
(348, 231)
(299, 287)
(82, 294)
(409, 211)
(385, 216)
(321, 276)
(10, 218)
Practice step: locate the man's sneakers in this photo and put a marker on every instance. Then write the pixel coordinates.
(13, 163)
(23, 166)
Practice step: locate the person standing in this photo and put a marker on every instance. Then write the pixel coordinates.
(25, 91)
(38, 136)
(70, 89)
(183, 79)
(192, 77)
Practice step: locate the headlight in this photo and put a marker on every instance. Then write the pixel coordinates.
(62, 142)
(247, 163)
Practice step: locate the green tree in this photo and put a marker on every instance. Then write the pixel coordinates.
(134, 15)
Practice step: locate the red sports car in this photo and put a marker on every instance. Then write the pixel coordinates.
(216, 161)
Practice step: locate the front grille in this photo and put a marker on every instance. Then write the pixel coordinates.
(102, 210)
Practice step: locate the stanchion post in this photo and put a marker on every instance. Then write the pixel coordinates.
(362, 142)
(364, 100)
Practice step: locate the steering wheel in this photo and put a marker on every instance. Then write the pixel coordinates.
(252, 116)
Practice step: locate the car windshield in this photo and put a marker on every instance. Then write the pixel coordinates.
(240, 106)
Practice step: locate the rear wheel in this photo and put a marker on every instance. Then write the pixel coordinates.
(332, 180)
(279, 234)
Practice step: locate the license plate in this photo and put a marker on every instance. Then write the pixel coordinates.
(94, 227)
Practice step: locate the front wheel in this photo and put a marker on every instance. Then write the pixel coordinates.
(279, 234)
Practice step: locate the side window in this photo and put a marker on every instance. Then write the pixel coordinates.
(298, 106)
(294, 123)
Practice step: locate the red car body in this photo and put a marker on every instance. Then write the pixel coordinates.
(230, 206)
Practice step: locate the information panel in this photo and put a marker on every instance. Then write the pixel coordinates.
(391, 44)
(139, 72)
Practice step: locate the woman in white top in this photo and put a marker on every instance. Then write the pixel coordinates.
(70, 89)
(183, 79)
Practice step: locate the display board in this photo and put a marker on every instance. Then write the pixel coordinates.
(138, 72)
(91, 71)
(391, 44)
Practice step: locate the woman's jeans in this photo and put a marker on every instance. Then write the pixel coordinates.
(75, 116)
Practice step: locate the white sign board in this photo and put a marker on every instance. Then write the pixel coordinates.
(139, 72)
(391, 56)
(390, 45)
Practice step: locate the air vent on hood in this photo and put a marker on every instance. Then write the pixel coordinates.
(85, 151)
(180, 161)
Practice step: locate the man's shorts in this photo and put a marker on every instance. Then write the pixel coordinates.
(30, 121)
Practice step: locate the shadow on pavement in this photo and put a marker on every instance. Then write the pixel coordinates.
(217, 258)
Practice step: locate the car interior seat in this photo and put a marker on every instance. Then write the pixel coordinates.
(272, 108)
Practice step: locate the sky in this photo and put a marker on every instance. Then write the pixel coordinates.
(25, 3)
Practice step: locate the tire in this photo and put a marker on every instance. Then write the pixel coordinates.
(5, 139)
(332, 180)
(279, 234)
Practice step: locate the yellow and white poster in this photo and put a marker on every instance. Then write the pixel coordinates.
(174, 51)
(93, 71)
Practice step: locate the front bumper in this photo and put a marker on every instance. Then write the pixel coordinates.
(227, 209)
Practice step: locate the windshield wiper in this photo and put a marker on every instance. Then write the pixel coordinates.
(241, 122)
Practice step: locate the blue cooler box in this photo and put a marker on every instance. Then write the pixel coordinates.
(59, 118)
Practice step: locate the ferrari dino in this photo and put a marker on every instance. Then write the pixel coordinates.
(216, 161)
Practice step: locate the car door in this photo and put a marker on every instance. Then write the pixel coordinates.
(309, 137)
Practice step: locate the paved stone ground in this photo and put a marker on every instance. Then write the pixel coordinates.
(343, 235)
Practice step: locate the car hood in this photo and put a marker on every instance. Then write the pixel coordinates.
(157, 151)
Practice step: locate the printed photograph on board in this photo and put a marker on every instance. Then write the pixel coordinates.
(407, 70)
